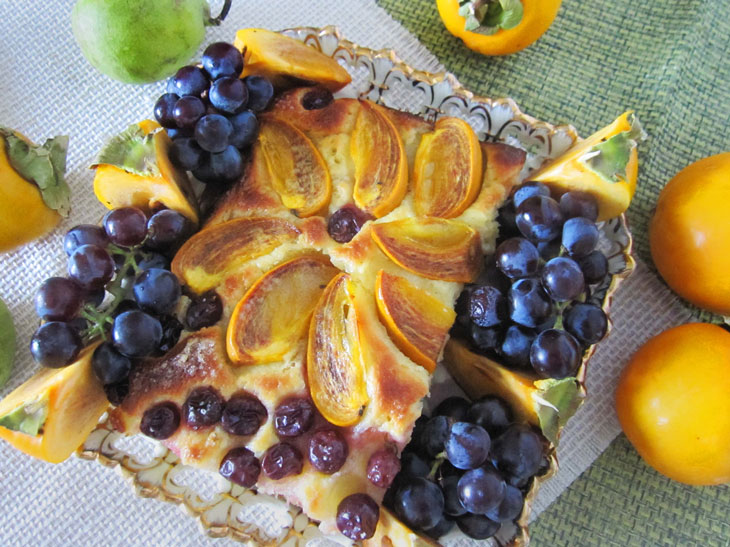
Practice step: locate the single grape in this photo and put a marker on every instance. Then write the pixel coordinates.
(293, 417)
(282, 460)
(539, 218)
(240, 466)
(346, 222)
(163, 110)
(167, 230)
(221, 59)
(383, 466)
(480, 490)
(563, 279)
(444, 526)
(453, 407)
(91, 267)
(58, 299)
(188, 111)
(517, 453)
(580, 236)
(243, 415)
(477, 526)
(171, 330)
(84, 234)
(116, 393)
(527, 190)
(204, 311)
(511, 505)
(419, 503)
(204, 173)
(327, 450)
(245, 129)
(413, 465)
(203, 407)
(157, 291)
(228, 95)
(452, 504)
(516, 345)
(260, 92)
(434, 435)
(188, 80)
(357, 517)
(55, 344)
(555, 354)
(486, 340)
(136, 334)
(467, 445)
(529, 304)
(110, 366)
(491, 413)
(516, 257)
(487, 306)
(227, 166)
(125, 226)
(186, 154)
(317, 98)
(579, 204)
(161, 421)
(212, 132)
(594, 266)
(588, 323)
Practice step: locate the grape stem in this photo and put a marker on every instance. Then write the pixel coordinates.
(440, 458)
(215, 21)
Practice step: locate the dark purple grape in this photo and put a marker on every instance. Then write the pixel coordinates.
(221, 59)
(293, 417)
(260, 92)
(125, 226)
(539, 218)
(187, 112)
(204, 173)
(317, 98)
(413, 465)
(511, 506)
(486, 340)
(490, 412)
(528, 190)
(453, 407)
(357, 517)
(444, 526)
(515, 349)
(167, 230)
(452, 505)
(55, 344)
(188, 80)
(419, 503)
(579, 204)
(563, 279)
(91, 267)
(487, 306)
(594, 267)
(204, 311)
(282, 460)
(228, 94)
(467, 445)
(529, 304)
(580, 236)
(555, 354)
(480, 490)
(477, 526)
(383, 466)
(327, 450)
(516, 257)
(588, 323)
(186, 154)
(116, 393)
(161, 421)
(163, 110)
(110, 366)
(157, 291)
(136, 334)
(171, 330)
(346, 222)
(95, 297)
(517, 453)
(212, 132)
(58, 299)
(243, 415)
(245, 129)
(227, 166)
(240, 466)
(84, 234)
(434, 435)
(203, 407)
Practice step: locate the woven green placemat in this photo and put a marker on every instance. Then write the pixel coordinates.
(669, 60)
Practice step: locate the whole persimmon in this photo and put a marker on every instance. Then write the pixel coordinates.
(673, 403)
(690, 233)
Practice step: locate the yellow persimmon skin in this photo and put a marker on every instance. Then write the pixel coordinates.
(690, 234)
(672, 402)
(537, 18)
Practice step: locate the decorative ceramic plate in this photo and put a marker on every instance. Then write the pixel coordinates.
(225, 509)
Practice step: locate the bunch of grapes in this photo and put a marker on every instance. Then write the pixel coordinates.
(529, 309)
(469, 465)
(210, 114)
(119, 290)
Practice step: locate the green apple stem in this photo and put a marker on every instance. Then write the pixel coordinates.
(215, 21)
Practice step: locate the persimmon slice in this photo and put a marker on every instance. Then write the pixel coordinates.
(298, 172)
(417, 322)
(274, 313)
(381, 165)
(334, 369)
(447, 170)
(435, 248)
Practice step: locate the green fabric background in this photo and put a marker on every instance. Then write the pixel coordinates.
(669, 60)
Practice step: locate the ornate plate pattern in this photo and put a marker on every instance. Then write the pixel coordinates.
(224, 509)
